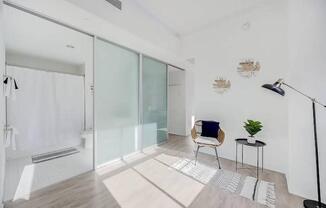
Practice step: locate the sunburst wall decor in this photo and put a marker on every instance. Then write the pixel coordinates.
(248, 68)
(221, 85)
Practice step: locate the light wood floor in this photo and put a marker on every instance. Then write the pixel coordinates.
(88, 190)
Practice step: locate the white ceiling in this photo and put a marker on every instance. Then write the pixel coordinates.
(179, 17)
(33, 36)
(187, 16)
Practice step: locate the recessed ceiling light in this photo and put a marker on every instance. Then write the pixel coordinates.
(246, 26)
(70, 46)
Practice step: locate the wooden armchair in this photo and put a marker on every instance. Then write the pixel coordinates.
(212, 142)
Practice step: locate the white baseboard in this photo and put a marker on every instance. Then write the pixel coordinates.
(177, 134)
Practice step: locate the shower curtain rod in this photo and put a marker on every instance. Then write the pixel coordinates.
(45, 70)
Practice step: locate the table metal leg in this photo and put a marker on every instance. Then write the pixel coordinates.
(197, 154)
(257, 162)
(262, 160)
(242, 156)
(218, 159)
(236, 156)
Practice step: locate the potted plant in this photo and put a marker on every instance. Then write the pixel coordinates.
(252, 127)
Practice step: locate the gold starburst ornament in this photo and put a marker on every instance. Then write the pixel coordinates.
(221, 85)
(248, 68)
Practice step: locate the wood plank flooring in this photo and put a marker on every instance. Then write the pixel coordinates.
(89, 190)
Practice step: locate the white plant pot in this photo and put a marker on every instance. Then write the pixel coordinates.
(251, 140)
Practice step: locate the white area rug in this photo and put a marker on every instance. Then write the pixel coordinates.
(200, 172)
(249, 187)
(257, 190)
(260, 191)
(228, 181)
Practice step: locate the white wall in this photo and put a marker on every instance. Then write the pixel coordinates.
(190, 91)
(307, 44)
(176, 101)
(217, 52)
(2, 118)
(165, 48)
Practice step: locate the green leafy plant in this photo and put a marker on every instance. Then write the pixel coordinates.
(253, 127)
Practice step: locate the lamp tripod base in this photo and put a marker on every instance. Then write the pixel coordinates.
(313, 204)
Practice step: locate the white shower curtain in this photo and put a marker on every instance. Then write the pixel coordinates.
(48, 111)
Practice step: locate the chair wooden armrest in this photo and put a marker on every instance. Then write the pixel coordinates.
(194, 134)
(220, 136)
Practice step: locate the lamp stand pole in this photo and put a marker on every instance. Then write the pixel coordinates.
(276, 87)
(311, 203)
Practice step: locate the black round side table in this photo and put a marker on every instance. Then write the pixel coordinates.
(257, 145)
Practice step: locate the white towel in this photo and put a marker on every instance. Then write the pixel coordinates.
(9, 88)
(12, 89)
(248, 188)
(6, 137)
(10, 137)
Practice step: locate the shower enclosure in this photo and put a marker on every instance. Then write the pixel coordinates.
(47, 83)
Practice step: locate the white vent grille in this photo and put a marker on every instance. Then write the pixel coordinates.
(115, 3)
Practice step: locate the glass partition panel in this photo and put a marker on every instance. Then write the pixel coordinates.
(154, 84)
(116, 101)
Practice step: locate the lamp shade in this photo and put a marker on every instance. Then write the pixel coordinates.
(276, 87)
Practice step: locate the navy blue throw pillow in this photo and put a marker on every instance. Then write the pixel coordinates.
(210, 128)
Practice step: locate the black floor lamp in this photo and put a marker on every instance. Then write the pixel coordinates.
(276, 87)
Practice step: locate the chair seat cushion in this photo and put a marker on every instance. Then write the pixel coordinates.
(207, 141)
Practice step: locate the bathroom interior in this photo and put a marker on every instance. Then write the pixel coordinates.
(48, 89)
(76, 102)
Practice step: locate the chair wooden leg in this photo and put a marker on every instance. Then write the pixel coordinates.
(196, 155)
(218, 160)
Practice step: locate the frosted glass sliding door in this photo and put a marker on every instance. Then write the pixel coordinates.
(154, 85)
(116, 101)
